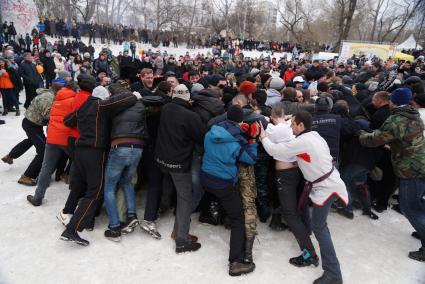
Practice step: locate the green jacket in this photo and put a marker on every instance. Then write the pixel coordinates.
(39, 110)
(403, 132)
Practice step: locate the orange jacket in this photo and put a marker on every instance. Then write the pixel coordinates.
(5, 82)
(289, 75)
(79, 100)
(57, 132)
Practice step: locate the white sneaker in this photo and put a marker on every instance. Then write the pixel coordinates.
(63, 218)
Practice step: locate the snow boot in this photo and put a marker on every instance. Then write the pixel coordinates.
(249, 243)
(325, 279)
(190, 237)
(239, 268)
(7, 159)
(276, 223)
(418, 255)
(305, 259)
(187, 247)
(72, 236)
(211, 215)
(113, 234)
(27, 181)
(150, 228)
(33, 201)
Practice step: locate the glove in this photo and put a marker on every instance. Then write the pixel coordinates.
(138, 95)
(254, 130)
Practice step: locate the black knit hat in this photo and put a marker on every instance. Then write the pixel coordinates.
(235, 113)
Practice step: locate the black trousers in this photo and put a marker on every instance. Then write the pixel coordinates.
(381, 191)
(288, 182)
(29, 94)
(36, 138)
(231, 201)
(86, 186)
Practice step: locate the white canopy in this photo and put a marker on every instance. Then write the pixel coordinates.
(409, 43)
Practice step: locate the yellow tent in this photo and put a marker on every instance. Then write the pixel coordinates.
(403, 56)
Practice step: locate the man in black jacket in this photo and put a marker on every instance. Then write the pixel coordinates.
(179, 130)
(91, 119)
(49, 68)
(31, 78)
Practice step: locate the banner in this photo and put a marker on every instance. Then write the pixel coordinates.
(23, 14)
(382, 51)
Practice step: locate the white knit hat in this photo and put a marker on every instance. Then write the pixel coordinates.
(181, 92)
(100, 92)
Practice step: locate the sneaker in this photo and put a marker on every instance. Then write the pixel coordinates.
(239, 268)
(305, 259)
(418, 255)
(64, 218)
(27, 181)
(188, 247)
(132, 222)
(33, 201)
(370, 214)
(7, 159)
(113, 234)
(72, 236)
(150, 228)
(325, 279)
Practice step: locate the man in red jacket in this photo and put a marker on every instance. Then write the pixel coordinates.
(57, 139)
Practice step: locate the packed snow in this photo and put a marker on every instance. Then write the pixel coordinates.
(30, 250)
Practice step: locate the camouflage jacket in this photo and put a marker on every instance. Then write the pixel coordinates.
(39, 110)
(403, 132)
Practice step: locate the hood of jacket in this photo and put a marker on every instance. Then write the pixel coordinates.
(226, 132)
(272, 93)
(406, 111)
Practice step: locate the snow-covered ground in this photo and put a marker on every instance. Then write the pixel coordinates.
(372, 252)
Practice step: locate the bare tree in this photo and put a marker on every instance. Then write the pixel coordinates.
(294, 17)
(223, 8)
(374, 14)
(346, 10)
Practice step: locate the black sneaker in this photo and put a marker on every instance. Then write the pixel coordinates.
(239, 268)
(188, 247)
(305, 259)
(72, 236)
(113, 234)
(325, 279)
(33, 201)
(370, 214)
(130, 224)
(418, 255)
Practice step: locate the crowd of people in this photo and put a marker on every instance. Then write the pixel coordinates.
(238, 139)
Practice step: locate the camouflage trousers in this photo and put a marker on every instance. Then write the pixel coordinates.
(246, 186)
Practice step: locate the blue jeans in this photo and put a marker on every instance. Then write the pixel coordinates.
(320, 228)
(197, 189)
(412, 204)
(121, 166)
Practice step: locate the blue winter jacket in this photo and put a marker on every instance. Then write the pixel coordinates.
(225, 147)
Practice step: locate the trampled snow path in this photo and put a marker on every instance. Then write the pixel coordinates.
(372, 252)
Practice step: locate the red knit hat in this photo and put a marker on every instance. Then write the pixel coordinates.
(247, 88)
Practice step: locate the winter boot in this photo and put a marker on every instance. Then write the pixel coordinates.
(7, 159)
(72, 236)
(325, 279)
(150, 228)
(249, 243)
(113, 234)
(305, 259)
(239, 268)
(211, 215)
(190, 237)
(27, 181)
(33, 201)
(418, 255)
(276, 223)
(187, 247)
(64, 218)
(366, 201)
(346, 213)
(130, 224)
(18, 112)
